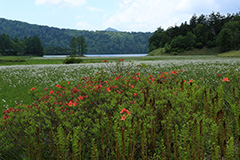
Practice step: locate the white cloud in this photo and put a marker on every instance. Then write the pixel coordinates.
(84, 25)
(93, 9)
(148, 15)
(61, 3)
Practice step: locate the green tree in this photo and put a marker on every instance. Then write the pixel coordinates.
(200, 32)
(81, 45)
(225, 40)
(78, 45)
(73, 46)
(34, 46)
(6, 45)
(228, 38)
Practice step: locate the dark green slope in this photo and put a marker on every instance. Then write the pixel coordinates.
(97, 41)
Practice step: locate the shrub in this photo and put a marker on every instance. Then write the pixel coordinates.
(125, 113)
(72, 60)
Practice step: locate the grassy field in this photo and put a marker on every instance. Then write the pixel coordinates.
(27, 60)
(16, 81)
(168, 107)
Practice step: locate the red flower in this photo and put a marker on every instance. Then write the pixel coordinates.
(183, 70)
(190, 80)
(135, 94)
(80, 97)
(70, 103)
(219, 75)
(124, 110)
(132, 102)
(74, 104)
(68, 82)
(108, 89)
(225, 79)
(105, 61)
(32, 89)
(123, 118)
(174, 72)
(131, 86)
(138, 74)
(58, 86)
(120, 60)
(51, 92)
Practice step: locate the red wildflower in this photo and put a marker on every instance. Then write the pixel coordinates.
(183, 70)
(132, 102)
(131, 86)
(32, 89)
(58, 86)
(135, 94)
(225, 79)
(80, 97)
(138, 74)
(123, 118)
(105, 61)
(124, 110)
(108, 89)
(74, 104)
(70, 103)
(68, 82)
(51, 92)
(121, 60)
(174, 72)
(219, 75)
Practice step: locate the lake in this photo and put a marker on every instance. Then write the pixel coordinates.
(100, 55)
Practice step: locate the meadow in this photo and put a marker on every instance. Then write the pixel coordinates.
(16, 80)
(205, 73)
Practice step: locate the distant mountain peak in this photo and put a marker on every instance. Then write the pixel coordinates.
(111, 29)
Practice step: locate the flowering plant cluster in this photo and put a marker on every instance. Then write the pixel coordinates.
(124, 113)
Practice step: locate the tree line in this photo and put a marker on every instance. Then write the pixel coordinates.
(56, 41)
(18, 47)
(214, 30)
(33, 46)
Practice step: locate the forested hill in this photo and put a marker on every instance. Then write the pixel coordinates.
(204, 31)
(97, 41)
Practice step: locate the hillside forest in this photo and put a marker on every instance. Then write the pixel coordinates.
(57, 41)
(204, 31)
(214, 30)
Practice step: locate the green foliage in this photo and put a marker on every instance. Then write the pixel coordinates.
(125, 112)
(78, 45)
(16, 47)
(228, 38)
(72, 60)
(203, 31)
(98, 42)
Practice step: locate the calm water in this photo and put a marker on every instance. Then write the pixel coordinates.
(101, 55)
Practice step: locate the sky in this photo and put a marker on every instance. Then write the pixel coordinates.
(123, 15)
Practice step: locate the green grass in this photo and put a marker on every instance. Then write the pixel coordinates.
(203, 51)
(8, 60)
(230, 54)
(16, 81)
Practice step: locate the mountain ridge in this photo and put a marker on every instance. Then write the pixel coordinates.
(97, 41)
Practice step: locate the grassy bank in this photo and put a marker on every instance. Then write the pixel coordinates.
(230, 54)
(203, 51)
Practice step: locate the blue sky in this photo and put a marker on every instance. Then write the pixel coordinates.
(124, 15)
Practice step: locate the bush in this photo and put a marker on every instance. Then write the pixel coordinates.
(72, 60)
(124, 112)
